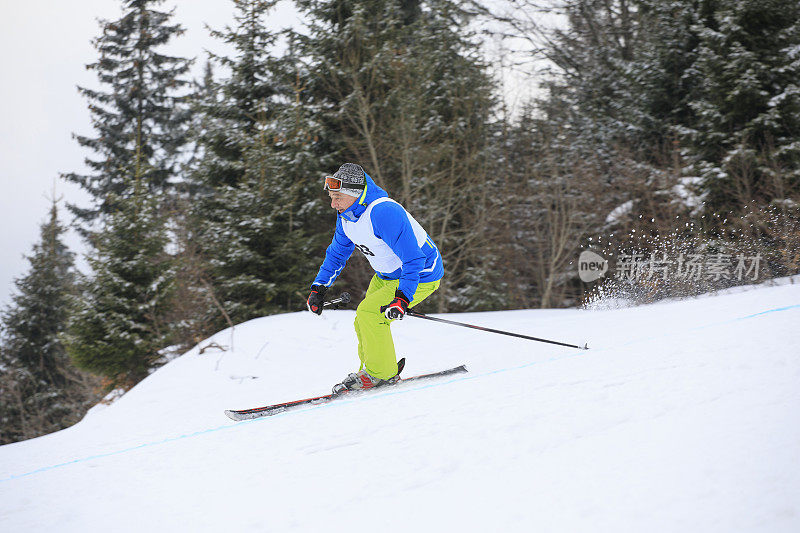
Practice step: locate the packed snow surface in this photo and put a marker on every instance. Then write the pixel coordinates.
(683, 416)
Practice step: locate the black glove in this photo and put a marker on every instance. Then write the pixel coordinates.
(316, 298)
(396, 310)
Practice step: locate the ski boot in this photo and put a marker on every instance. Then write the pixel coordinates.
(361, 380)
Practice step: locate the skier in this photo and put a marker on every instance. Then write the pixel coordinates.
(408, 268)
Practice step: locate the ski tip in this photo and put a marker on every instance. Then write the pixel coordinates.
(586, 346)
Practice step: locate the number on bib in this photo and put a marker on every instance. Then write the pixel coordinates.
(364, 249)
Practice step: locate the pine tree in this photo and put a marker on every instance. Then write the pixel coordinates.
(139, 108)
(619, 97)
(748, 105)
(618, 82)
(117, 329)
(232, 109)
(227, 216)
(40, 390)
(254, 216)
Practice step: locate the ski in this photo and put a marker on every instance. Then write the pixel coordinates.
(269, 410)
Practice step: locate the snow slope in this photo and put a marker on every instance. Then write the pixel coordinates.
(683, 416)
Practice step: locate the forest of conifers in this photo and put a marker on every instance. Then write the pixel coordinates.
(653, 122)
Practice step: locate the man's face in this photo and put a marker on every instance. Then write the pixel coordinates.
(340, 201)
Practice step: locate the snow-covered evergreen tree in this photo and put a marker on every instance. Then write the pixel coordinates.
(255, 220)
(139, 107)
(662, 84)
(232, 108)
(40, 390)
(117, 328)
(747, 133)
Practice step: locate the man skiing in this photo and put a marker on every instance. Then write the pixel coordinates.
(407, 264)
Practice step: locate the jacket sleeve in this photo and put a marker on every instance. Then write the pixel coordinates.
(336, 256)
(390, 223)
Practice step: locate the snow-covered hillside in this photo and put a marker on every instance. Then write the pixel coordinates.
(683, 416)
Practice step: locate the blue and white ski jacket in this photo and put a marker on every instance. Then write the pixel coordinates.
(393, 242)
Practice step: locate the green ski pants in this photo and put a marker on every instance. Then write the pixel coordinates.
(375, 344)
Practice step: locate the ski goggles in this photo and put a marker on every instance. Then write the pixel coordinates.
(335, 184)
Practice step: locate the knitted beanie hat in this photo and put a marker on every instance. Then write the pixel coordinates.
(352, 174)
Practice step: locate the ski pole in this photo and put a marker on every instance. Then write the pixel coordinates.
(490, 330)
(343, 299)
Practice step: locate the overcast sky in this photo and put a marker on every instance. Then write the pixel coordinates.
(44, 48)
